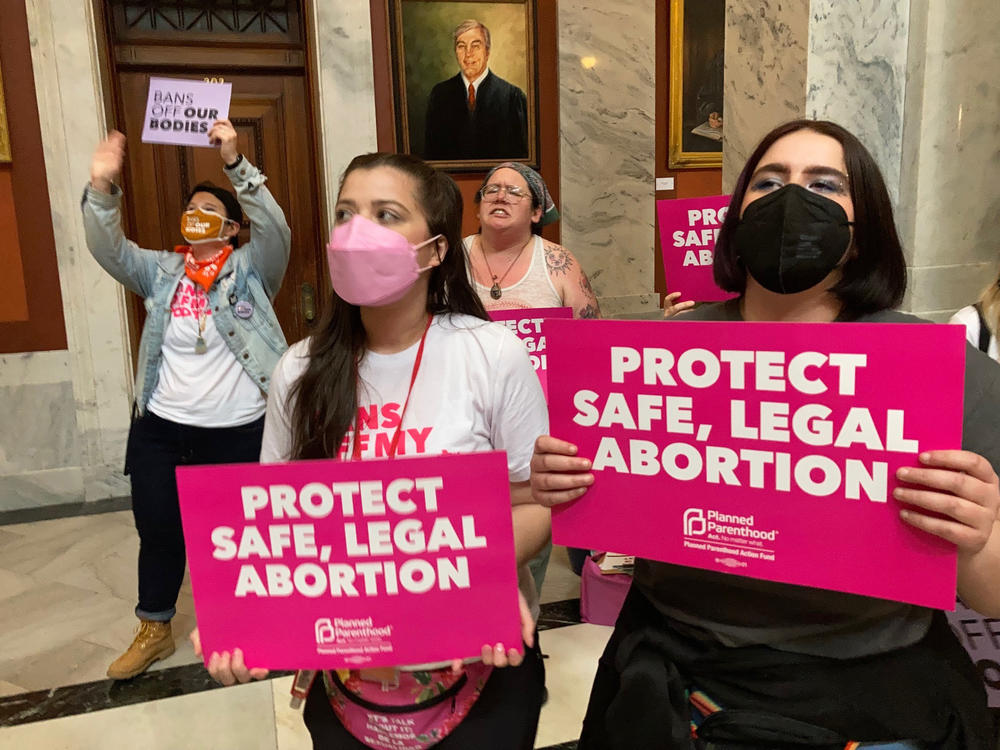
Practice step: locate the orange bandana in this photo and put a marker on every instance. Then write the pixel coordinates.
(203, 272)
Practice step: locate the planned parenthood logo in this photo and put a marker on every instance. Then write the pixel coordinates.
(694, 522)
(352, 636)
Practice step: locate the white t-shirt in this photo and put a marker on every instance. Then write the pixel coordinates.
(202, 390)
(476, 391)
(968, 317)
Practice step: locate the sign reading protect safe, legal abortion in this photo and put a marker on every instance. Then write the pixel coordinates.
(688, 230)
(181, 112)
(768, 450)
(350, 564)
(528, 324)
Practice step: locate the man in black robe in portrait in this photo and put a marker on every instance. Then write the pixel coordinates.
(476, 114)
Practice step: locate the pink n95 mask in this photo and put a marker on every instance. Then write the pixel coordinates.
(372, 265)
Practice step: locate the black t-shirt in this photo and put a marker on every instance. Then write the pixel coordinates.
(740, 611)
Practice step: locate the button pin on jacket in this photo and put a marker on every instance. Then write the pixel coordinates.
(243, 309)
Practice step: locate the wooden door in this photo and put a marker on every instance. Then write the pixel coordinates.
(259, 47)
(267, 111)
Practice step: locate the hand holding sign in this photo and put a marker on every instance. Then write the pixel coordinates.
(223, 135)
(671, 306)
(967, 498)
(106, 164)
(557, 475)
(225, 668)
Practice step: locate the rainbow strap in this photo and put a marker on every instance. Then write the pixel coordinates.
(703, 706)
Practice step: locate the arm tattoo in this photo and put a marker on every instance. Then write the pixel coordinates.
(559, 261)
(592, 309)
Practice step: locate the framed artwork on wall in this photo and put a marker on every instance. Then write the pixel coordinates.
(465, 81)
(697, 44)
(5, 154)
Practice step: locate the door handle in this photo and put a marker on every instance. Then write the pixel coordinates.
(308, 297)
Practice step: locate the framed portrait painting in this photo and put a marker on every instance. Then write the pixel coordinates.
(697, 44)
(465, 81)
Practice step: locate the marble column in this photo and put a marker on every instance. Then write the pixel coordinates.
(342, 48)
(67, 415)
(915, 81)
(857, 74)
(765, 74)
(607, 57)
(949, 210)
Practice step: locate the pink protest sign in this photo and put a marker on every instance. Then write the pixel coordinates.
(180, 111)
(768, 450)
(349, 564)
(529, 326)
(688, 229)
(981, 637)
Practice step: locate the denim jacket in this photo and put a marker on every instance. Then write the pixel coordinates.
(252, 273)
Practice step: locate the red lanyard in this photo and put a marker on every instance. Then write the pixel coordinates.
(356, 453)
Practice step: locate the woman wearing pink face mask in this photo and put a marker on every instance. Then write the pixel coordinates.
(209, 344)
(407, 338)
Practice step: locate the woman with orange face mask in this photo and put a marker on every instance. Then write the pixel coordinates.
(209, 345)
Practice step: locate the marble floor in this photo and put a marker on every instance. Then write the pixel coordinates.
(67, 589)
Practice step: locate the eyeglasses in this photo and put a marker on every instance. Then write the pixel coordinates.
(491, 193)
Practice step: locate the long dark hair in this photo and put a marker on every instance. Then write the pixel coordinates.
(325, 397)
(874, 277)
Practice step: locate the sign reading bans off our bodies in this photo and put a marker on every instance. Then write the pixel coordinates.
(763, 449)
(348, 564)
(180, 112)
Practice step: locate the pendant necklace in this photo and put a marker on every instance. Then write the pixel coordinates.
(200, 347)
(495, 291)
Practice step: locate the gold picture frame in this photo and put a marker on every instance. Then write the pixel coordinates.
(5, 154)
(697, 42)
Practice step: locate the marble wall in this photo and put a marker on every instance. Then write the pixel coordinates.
(951, 153)
(857, 74)
(914, 80)
(765, 79)
(66, 413)
(342, 48)
(607, 60)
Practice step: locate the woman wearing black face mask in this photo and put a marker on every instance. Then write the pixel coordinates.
(813, 241)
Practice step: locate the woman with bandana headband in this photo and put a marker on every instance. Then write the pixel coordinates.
(209, 344)
(758, 664)
(510, 263)
(406, 337)
(513, 267)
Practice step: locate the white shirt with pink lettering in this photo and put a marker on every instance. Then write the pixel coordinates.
(476, 391)
(211, 389)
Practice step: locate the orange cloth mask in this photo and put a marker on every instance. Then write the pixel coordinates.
(204, 272)
(199, 226)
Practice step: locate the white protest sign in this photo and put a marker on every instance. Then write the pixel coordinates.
(180, 112)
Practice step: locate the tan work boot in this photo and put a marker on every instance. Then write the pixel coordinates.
(153, 640)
